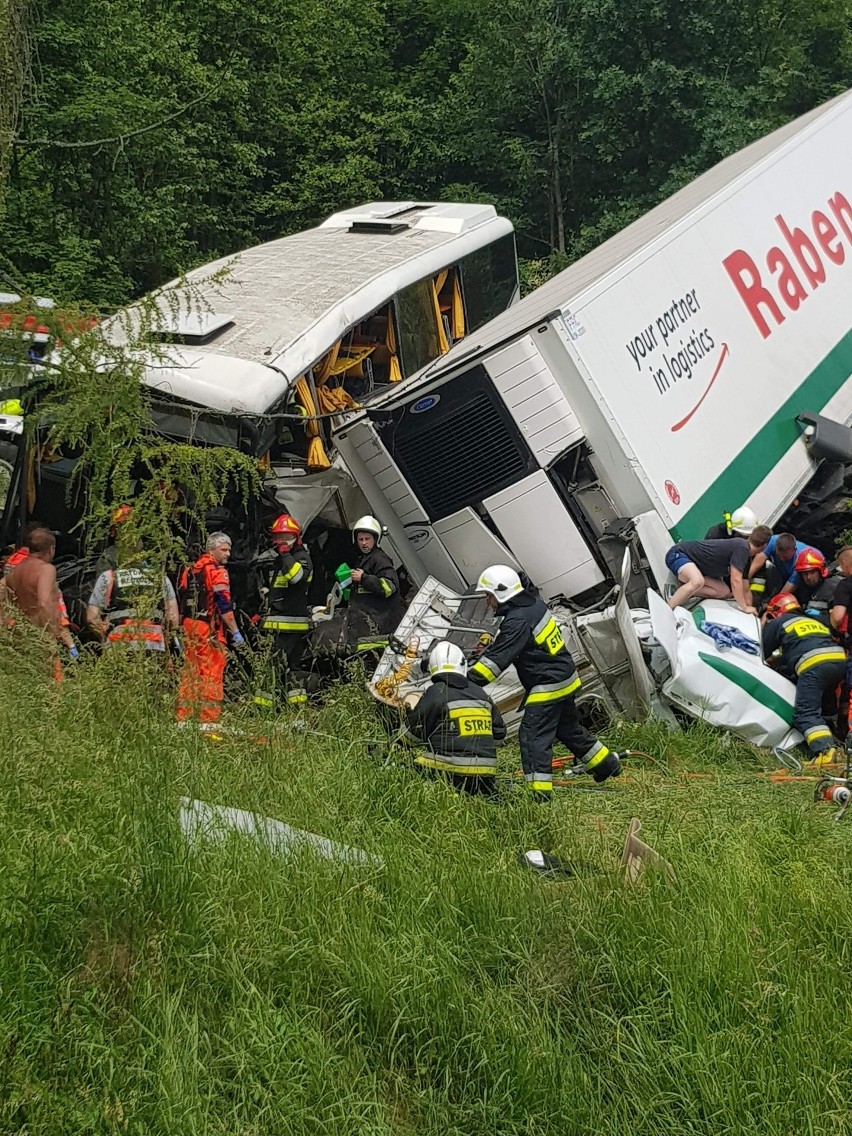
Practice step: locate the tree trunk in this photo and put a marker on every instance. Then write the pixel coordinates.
(556, 182)
(14, 74)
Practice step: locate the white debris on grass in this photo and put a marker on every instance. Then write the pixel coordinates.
(215, 823)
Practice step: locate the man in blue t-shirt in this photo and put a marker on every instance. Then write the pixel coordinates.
(782, 550)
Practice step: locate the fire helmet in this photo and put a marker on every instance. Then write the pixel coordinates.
(500, 581)
(811, 560)
(121, 514)
(781, 604)
(285, 526)
(744, 521)
(447, 658)
(368, 525)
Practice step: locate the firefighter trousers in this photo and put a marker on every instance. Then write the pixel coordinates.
(808, 715)
(287, 652)
(201, 689)
(542, 724)
(287, 678)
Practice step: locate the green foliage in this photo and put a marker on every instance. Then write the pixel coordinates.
(218, 124)
(148, 987)
(89, 402)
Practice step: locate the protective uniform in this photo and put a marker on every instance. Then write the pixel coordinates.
(131, 601)
(375, 605)
(742, 522)
(288, 619)
(460, 725)
(813, 659)
(817, 599)
(530, 638)
(204, 595)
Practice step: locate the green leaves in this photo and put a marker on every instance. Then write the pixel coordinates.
(226, 124)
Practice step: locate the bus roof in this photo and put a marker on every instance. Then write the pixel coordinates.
(282, 305)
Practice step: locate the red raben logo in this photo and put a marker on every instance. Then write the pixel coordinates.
(801, 265)
(672, 491)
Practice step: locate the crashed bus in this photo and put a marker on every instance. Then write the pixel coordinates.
(260, 351)
(699, 360)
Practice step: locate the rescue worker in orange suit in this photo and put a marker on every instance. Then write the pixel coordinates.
(287, 617)
(458, 723)
(530, 638)
(17, 557)
(133, 605)
(810, 656)
(207, 611)
(375, 605)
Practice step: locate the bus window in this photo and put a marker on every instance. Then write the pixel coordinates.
(418, 332)
(451, 305)
(489, 281)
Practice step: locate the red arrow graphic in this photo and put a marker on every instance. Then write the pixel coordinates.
(680, 425)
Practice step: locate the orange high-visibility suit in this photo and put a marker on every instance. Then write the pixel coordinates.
(204, 591)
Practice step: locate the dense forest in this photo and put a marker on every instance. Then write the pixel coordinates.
(141, 137)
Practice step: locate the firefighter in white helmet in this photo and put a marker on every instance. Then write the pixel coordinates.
(530, 638)
(375, 605)
(458, 722)
(742, 522)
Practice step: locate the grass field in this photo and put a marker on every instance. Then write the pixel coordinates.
(150, 988)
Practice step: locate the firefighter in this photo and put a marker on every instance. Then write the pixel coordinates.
(133, 605)
(530, 638)
(812, 586)
(841, 606)
(207, 611)
(120, 515)
(742, 522)
(375, 606)
(287, 615)
(817, 663)
(458, 722)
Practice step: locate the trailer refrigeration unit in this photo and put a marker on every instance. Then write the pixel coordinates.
(697, 361)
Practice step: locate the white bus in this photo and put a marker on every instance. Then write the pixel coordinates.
(261, 351)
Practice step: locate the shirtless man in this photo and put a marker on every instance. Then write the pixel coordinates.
(33, 585)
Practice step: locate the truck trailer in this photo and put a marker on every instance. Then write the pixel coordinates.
(697, 361)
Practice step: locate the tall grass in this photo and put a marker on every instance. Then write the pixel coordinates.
(149, 987)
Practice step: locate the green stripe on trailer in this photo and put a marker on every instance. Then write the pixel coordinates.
(760, 456)
(752, 685)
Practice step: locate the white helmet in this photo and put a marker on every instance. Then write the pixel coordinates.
(500, 581)
(744, 521)
(447, 658)
(369, 525)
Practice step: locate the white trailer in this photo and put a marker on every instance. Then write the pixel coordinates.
(693, 363)
(697, 361)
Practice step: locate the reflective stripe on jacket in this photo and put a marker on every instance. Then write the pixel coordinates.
(376, 596)
(287, 601)
(460, 725)
(530, 638)
(804, 642)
